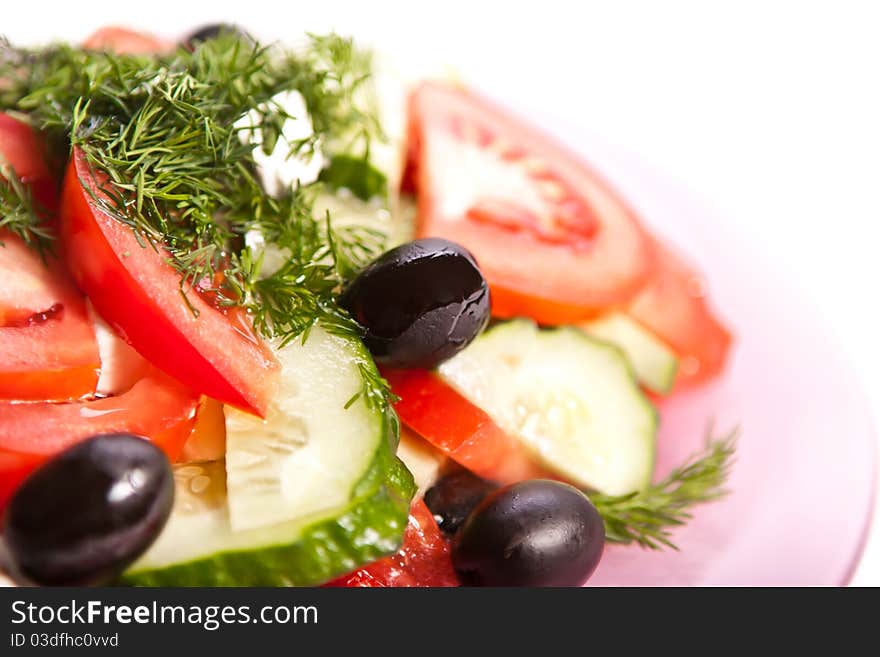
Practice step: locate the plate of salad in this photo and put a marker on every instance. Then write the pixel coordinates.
(273, 315)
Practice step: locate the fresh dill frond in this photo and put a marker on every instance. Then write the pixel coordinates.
(20, 212)
(163, 129)
(647, 517)
(171, 157)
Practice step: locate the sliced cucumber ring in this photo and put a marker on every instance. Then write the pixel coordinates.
(199, 548)
(309, 493)
(572, 400)
(654, 363)
(308, 454)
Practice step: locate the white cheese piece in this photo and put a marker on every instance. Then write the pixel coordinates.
(279, 170)
(121, 365)
(420, 458)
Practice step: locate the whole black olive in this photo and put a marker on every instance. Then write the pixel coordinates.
(212, 31)
(89, 512)
(452, 498)
(420, 303)
(533, 533)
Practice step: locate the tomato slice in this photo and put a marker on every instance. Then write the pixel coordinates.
(423, 560)
(138, 293)
(674, 307)
(455, 426)
(123, 41)
(29, 285)
(553, 239)
(157, 407)
(54, 357)
(48, 349)
(23, 150)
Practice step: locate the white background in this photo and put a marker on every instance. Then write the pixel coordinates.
(769, 111)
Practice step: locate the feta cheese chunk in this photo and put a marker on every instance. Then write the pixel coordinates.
(280, 169)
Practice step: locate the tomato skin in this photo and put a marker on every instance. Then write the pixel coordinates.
(423, 559)
(28, 285)
(157, 407)
(508, 304)
(137, 292)
(54, 360)
(456, 427)
(124, 41)
(22, 148)
(48, 349)
(674, 307)
(558, 244)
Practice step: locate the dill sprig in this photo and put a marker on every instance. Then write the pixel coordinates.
(170, 157)
(647, 517)
(20, 213)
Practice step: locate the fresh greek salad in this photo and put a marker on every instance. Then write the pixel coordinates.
(274, 315)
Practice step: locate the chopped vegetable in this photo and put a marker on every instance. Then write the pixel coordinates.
(554, 240)
(572, 401)
(423, 560)
(157, 407)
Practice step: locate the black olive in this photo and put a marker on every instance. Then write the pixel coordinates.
(420, 303)
(452, 498)
(89, 512)
(212, 31)
(533, 533)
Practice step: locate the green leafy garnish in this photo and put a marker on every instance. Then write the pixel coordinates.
(170, 143)
(20, 213)
(355, 174)
(647, 517)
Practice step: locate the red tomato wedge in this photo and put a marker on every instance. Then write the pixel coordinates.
(456, 427)
(423, 560)
(29, 285)
(126, 42)
(48, 349)
(554, 240)
(674, 307)
(137, 292)
(53, 357)
(157, 407)
(22, 150)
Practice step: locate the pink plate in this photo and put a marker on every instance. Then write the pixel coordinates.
(802, 487)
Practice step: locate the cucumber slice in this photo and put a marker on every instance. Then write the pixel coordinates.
(199, 548)
(309, 453)
(311, 492)
(572, 400)
(654, 363)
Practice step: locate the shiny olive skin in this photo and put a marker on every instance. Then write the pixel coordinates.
(532, 533)
(420, 303)
(452, 498)
(89, 512)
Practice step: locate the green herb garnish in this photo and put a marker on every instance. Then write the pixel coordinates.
(355, 174)
(20, 213)
(177, 164)
(648, 516)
